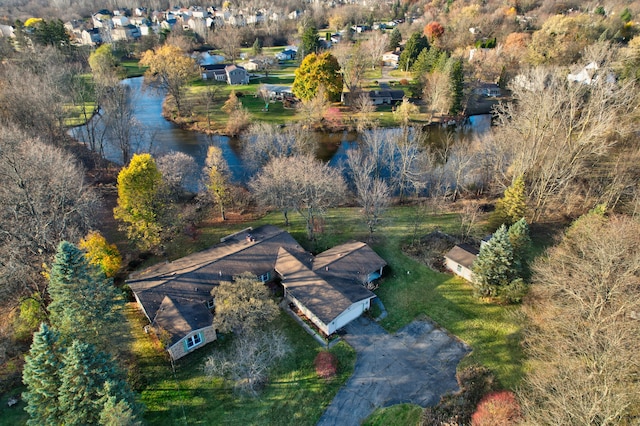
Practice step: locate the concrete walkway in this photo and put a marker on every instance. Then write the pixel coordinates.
(416, 365)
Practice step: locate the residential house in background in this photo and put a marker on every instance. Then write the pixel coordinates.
(91, 37)
(286, 55)
(214, 72)
(236, 75)
(390, 59)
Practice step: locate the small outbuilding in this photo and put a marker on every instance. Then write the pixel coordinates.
(459, 260)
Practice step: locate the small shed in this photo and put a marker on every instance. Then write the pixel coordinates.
(459, 260)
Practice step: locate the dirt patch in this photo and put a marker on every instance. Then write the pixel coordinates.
(431, 248)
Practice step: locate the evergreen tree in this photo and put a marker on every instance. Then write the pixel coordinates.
(496, 268)
(83, 301)
(40, 375)
(118, 408)
(416, 44)
(394, 39)
(83, 379)
(257, 47)
(520, 240)
(512, 206)
(456, 81)
(309, 43)
(428, 60)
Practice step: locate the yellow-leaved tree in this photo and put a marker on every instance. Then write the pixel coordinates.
(316, 71)
(100, 253)
(139, 205)
(172, 69)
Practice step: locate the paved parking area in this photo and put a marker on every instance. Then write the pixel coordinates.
(416, 365)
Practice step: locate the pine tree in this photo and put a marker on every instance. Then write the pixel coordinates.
(416, 43)
(456, 81)
(118, 406)
(83, 378)
(495, 267)
(512, 206)
(394, 39)
(83, 301)
(309, 43)
(257, 47)
(520, 240)
(40, 375)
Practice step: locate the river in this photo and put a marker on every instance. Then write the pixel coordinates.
(159, 136)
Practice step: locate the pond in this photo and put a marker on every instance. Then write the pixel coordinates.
(159, 136)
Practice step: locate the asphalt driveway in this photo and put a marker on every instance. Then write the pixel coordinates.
(416, 365)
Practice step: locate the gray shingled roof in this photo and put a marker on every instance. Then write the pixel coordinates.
(321, 297)
(181, 316)
(192, 277)
(464, 254)
(334, 280)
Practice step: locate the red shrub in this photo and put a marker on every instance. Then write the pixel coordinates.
(326, 364)
(404, 81)
(497, 409)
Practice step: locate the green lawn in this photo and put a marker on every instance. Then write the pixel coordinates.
(401, 414)
(410, 289)
(293, 396)
(133, 68)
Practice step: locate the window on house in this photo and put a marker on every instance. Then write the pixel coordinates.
(194, 340)
(265, 277)
(459, 268)
(210, 304)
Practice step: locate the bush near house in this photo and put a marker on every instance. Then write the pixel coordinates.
(326, 365)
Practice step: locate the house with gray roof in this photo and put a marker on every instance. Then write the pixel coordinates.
(331, 289)
(236, 75)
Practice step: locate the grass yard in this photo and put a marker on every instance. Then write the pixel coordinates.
(401, 414)
(294, 395)
(410, 289)
(133, 68)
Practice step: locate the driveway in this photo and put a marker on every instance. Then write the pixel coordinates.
(416, 365)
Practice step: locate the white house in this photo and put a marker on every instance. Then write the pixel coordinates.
(390, 59)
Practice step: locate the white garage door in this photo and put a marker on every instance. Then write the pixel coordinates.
(347, 316)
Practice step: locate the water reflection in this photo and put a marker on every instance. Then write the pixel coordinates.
(160, 136)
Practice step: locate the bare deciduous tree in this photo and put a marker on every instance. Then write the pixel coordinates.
(43, 200)
(248, 362)
(564, 131)
(178, 171)
(375, 46)
(302, 183)
(583, 315)
(228, 39)
(373, 193)
(123, 131)
(353, 62)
